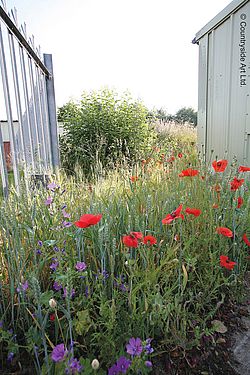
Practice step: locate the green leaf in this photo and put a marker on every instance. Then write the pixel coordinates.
(83, 323)
(219, 326)
(185, 278)
(45, 297)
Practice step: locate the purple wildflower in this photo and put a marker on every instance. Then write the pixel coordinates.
(80, 266)
(1, 324)
(123, 364)
(65, 214)
(52, 186)
(10, 357)
(48, 201)
(23, 287)
(38, 251)
(105, 274)
(67, 224)
(148, 347)
(134, 347)
(114, 370)
(57, 286)
(86, 292)
(148, 364)
(65, 293)
(123, 288)
(54, 265)
(40, 243)
(74, 366)
(59, 353)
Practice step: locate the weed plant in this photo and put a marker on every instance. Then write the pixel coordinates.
(115, 294)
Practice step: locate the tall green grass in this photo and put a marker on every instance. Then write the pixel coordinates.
(169, 291)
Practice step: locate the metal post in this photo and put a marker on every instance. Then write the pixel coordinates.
(3, 168)
(9, 112)
(41, 123)
(34, 114)
(27, 110)
(52, 111)
(18, 104)
(44, 103)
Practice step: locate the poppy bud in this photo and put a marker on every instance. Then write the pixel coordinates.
(95, 364)
(52, 303)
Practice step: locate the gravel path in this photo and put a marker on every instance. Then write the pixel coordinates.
(241, 347)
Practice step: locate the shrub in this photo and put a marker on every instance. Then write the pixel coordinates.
(103, 128)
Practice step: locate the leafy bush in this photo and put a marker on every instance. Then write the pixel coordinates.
(103, 128)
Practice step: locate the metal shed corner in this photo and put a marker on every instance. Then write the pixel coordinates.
(224, 84)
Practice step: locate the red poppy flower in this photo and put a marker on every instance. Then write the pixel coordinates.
(180, 155)
(87, 220)
(52, 317)
(193, 211)
(219, 165)
(133, 178)
(174, 215)
(130, 241)
(189, 173)
(137, 235)
(224, 231)
(225, 262)
(171, 159)
(245, 239)
(239, 202)
(149, 240)
(236, 183)
(244, 169)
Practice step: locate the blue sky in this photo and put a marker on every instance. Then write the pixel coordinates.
(143, 46)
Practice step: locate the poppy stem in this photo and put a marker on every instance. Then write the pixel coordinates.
(180, 259)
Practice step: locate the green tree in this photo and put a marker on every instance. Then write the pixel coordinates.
(186, 114)
(103, 128)
(160, 114)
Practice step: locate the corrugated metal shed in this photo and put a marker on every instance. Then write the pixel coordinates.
(224, 84)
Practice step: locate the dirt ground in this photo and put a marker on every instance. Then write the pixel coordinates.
(226, 354)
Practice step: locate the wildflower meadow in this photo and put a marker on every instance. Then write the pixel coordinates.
(112, 274)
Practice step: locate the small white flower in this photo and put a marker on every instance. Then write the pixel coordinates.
(95, 364)
(52, 303)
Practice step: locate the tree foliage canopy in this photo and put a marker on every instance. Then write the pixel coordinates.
(186, 114)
